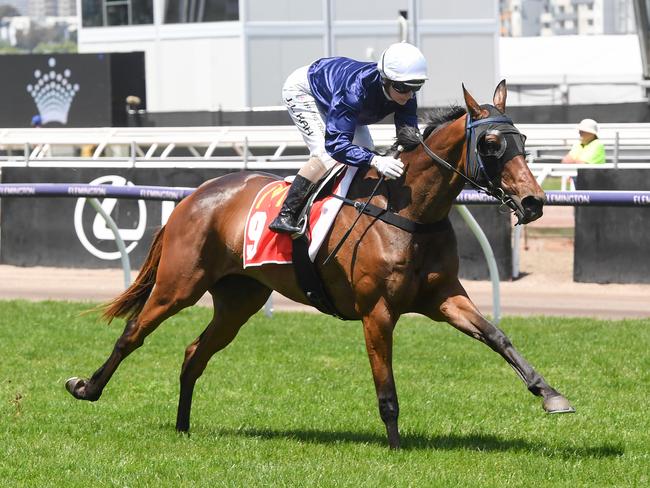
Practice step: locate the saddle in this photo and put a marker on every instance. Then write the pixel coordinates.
(262, 246)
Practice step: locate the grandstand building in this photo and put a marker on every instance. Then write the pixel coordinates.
(42, 8)
(39, 9)
(566, 17)
(229, 54)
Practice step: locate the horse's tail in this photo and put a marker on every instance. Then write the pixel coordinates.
(130, 303)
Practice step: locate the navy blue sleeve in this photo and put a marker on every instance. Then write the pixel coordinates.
(407, 114)
(339, 131)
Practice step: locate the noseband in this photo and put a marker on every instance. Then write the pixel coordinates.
(475, 166)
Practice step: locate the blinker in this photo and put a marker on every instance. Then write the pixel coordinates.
(494, 147)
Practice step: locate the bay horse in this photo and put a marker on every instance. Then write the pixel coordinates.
(380, 272)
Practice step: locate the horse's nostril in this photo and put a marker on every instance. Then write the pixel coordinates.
(533, 207)
(532, 202)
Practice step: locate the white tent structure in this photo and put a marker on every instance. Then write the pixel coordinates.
(572, 69)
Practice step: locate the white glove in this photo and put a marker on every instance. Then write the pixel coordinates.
(390, 167)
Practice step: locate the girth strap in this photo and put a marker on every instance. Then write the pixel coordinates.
(397, 220)
(310, 281)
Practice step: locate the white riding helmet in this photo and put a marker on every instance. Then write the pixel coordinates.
(403, 62)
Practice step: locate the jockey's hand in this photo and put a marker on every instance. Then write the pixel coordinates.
(390, 167)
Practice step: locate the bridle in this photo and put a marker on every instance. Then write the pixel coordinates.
(501, 127)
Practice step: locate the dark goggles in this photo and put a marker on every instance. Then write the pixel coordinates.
(406, 86)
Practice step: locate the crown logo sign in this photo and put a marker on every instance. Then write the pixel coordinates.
(53, 93)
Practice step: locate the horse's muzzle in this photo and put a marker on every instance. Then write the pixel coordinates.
(531, 209)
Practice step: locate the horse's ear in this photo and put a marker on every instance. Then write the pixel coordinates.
(500, 94)
(473, 108)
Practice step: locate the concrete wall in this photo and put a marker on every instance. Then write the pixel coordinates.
(237, 64)
(497, 229)
(612, 245)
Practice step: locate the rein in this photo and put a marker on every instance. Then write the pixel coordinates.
(394, 219)
(387, 216)
(363, 208)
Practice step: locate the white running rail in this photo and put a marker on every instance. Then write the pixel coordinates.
(625, 143)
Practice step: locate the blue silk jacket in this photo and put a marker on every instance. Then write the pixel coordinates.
(350, 94)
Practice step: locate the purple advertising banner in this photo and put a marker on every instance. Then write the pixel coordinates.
(469, 197)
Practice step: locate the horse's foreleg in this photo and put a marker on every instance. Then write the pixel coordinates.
(378, 330)
(459, 311)
(235, 299)
(165, 300)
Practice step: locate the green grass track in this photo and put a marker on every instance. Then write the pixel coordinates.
(291, 403)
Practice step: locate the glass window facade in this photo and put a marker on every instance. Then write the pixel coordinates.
(184, 11)
(141, 12)
(92, 13)
(98, 13)
(117, 13)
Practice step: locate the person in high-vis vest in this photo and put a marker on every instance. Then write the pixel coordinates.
(589, 149)
(332, 102)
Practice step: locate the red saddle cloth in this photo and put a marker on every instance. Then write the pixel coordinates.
(262, 246)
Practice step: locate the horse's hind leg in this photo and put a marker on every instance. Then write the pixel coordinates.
(459, 311)
(173, 292)
(235, 299)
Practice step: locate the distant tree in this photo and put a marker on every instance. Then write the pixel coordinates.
(55, 47)
(28, 40)
(6, 48)
(8, 11)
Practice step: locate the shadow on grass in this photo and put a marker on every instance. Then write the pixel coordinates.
(474, 442)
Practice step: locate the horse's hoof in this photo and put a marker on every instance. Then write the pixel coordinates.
(558, 404)
(74, 385)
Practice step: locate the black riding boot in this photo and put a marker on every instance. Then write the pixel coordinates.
(286, 221)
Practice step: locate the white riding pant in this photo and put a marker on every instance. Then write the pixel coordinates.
(310, 121)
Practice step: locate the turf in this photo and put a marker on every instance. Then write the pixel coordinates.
(291, 403)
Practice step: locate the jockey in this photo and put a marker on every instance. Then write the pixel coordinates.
(333, 100)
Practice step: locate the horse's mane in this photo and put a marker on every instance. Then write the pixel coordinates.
(407, 136)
